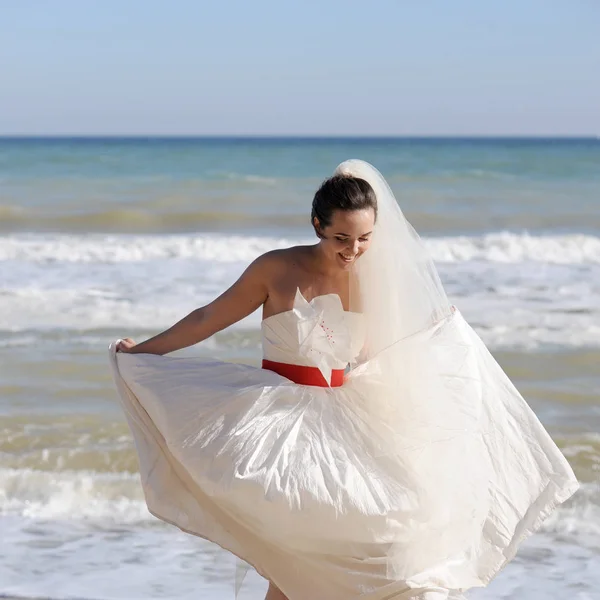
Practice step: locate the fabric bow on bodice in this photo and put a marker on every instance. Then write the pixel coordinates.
(318, 334)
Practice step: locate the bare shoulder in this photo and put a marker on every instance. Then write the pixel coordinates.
(277, 261)
(266, 264)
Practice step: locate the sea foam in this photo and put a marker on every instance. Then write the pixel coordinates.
(501, 247)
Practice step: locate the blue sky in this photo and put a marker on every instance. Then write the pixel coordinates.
(460, 67)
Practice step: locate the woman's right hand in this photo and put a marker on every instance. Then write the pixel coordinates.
(125, 345)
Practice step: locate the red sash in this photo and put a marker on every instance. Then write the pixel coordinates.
(304, 375)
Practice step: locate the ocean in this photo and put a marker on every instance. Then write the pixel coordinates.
(113, 237)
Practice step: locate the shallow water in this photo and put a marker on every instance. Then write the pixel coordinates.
(109, 238)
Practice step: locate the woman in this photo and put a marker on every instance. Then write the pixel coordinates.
(415, 475)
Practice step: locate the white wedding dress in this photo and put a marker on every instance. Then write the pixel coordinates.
(326, 489)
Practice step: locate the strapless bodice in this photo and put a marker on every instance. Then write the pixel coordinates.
(319, 333)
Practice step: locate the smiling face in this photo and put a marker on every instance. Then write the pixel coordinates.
(347, 237)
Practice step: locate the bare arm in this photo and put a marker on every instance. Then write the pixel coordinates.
(248, 293)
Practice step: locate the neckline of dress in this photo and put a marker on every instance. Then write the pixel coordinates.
(291, 310)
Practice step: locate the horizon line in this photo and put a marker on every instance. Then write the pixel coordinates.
(226, 136)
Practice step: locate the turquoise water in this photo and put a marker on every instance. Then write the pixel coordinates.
(172, 185)
(106, 238)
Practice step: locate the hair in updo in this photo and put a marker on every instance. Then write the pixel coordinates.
(341, 192)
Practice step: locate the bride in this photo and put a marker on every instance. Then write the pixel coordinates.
(380, 452)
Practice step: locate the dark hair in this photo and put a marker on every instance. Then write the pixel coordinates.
(341, 192)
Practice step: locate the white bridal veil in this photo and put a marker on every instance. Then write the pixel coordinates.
(399, 290)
